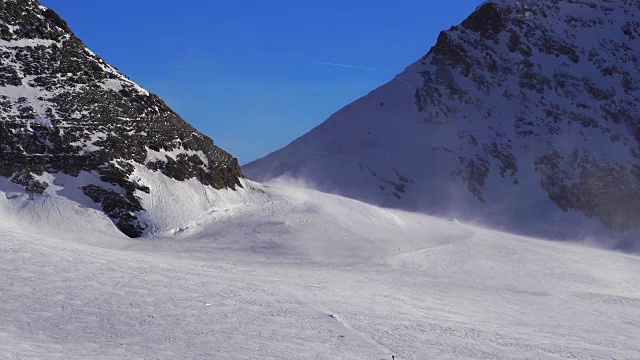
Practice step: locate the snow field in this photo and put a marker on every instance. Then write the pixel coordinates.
(282, 272)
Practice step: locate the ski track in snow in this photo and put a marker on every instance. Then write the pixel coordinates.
(282, 272)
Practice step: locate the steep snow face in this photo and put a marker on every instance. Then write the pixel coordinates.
(289, 273)
(64, 110)
(524, 116)
(64, 210)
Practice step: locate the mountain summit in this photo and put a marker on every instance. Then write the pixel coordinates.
(70, 121)
(524, 116)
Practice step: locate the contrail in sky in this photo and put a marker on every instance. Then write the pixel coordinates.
(349, 66)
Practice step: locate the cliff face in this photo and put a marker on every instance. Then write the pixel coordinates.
(64, 110)
(525, 115)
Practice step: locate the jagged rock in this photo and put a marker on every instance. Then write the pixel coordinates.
(65, 110)
(487, 20)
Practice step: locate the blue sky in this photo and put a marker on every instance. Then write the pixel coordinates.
(246, 73)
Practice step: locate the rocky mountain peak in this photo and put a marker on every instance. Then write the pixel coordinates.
(524, 116)
(569, 70)
(65, 111)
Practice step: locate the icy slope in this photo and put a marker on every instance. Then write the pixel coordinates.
(66, 113)
(297, 274)
(525, 116)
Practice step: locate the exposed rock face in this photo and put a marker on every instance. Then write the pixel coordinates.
(576, 66)
(65, 110)
(531, 106)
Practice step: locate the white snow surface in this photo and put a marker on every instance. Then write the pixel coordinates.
(278, 271)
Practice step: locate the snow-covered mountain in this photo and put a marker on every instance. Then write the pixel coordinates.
(525, 116)
(73, 128)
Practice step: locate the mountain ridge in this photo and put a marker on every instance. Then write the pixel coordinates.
(520, 117)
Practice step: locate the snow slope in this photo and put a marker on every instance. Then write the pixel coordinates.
(291, 273)
(525, 117)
